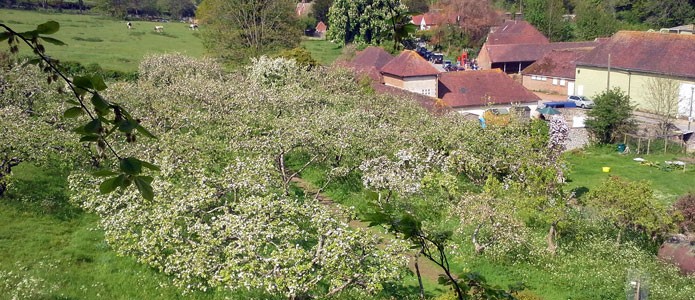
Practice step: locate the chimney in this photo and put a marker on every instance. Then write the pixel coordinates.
(507, 16)
(519, 16)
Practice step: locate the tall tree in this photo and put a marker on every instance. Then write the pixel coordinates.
(240, 29)
(594, 20)
(464, 23)
(320, 9)
(669, 13)
(363, 21)
(417, 6)
(546, 15)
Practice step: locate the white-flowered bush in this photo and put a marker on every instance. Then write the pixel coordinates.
(274, 71)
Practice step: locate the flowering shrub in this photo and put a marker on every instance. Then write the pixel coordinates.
(274, 71)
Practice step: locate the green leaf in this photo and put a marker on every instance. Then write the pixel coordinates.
(127, 126)
(53, 41)
(150, 166)
(98, 83)
(73, 112)
(144, 187)
(89, 138)
(49, 27)
(104, 173)
(147, 179)
(29, 34)
(144, 132)
(73, 102)
(101, 106)
(131, 166)
(33, 61)
(93, 126)
(83, 82)
(4, 35)
(80, 130)
(110, 185)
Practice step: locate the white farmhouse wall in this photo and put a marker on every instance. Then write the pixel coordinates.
(592, 81)
(425, 85)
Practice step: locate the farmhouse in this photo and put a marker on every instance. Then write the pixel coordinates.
(554, 72)
(425, 21)
(515, 45)
(631, 59)
(321, 29)
(409, 71)
(479, 89)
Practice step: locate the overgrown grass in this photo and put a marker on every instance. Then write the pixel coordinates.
(108, 42)
(668, 182)
(323, 51)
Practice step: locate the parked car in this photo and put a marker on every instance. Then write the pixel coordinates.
(581, 101)
(437, 58)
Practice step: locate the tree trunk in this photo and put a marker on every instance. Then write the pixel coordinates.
(552, 238)
(5, 169)
(474, 238)
(419, 277)
(620, 235)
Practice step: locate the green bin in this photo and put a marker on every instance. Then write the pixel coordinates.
(621, 148)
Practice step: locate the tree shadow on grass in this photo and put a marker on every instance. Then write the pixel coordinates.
(580, 191)
(40, 191)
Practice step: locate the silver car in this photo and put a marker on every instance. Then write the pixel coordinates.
(581, 101)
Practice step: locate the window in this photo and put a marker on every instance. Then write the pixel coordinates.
(562, 82)
(554, 81)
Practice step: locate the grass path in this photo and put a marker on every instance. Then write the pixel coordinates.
(428, 270)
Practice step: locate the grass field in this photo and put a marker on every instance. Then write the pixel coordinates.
(105, 41)
(325, 52)
(108, 42)
(586, 171)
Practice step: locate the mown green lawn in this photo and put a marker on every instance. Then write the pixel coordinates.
(107, 42)
(323, 51)
(586, 171)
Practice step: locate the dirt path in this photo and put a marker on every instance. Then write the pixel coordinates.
(428, 270)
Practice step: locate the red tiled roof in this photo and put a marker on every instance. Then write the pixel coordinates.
(372, 57)
(430, 19)
(515, 32)
(480, 88)
(651, 52)
(321, 27)
(557, 63)
(409, 64)
(529, 52)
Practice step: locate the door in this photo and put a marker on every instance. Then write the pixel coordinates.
(570, 88)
